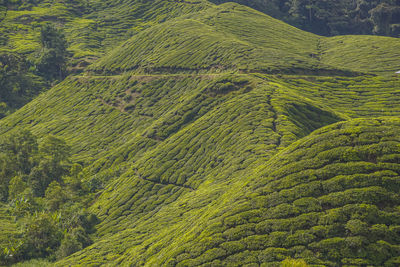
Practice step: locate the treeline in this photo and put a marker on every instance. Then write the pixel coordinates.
(326, 17)
(24, 76)
(43, 190)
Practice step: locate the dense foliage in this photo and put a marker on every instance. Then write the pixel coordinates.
(45, 40)
(193, 134)
(214, 41)
(41, 193)
(332, 199)
(327, 17)
(53, 54)
(24, 77)
(18, 84)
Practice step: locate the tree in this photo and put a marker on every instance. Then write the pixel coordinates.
(16, 158)
(53, 153)
(385, 18)
(69, 245)
(16, 187)
(53, 56)
(329, 17)
(17, 84)
(55, 196)
(41, 236)
(73, 241)
(293, 263)
(21, 147)
(56, 149)
(73, 181)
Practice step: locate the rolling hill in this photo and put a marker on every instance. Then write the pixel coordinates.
(234, 37)
(91, 27)
(219, 136)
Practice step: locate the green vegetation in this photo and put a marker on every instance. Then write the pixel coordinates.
(293, 263)
(215, 41)
(372, 53)
(8, 227)
(361, 96)
(18, 85)
(322, 199)
(211, 41)
(90, 27)
(42, 216)
(191, 134)
(34, 263)
(333, 17)
(53, 56)
(148, 134)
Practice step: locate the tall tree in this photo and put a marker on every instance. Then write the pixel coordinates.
(16, 158)
(53, 56)
(53, 153)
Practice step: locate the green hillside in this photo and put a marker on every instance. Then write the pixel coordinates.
(158, 150)
(330, 198)
(235, 38)
(331, 18)
(205, 135)
(91, 27)
(361, 96)
(372, 54)
(225, 37)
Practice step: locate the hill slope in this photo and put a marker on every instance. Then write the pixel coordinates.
(330, 198)
(191, 144)
(233, 37)
(225, 37)
(333, 17)
(172, 168)
(91, 27)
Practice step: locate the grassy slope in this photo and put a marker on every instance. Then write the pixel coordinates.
(228, 36)
(195, 164)
(362, 53)
(176, 151)
(91, 28)
(122, 134)
(234, 37)
(330, 198)
(361, 96)
(138, 205)
(224, 37)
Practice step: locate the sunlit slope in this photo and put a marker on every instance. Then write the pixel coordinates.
(234, 37)
(123, 115)
(172, 149)
(374, 54)
(229, 36)
(176, 136)
(243, 127)
(331, 198)
(91, 27)
(361, 96)
(92, 113)
(177, 189)
(188, 173)
(201, 35)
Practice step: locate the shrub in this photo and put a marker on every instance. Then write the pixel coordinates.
(289, 262)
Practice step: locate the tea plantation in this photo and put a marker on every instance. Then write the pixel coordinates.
(195, 134)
